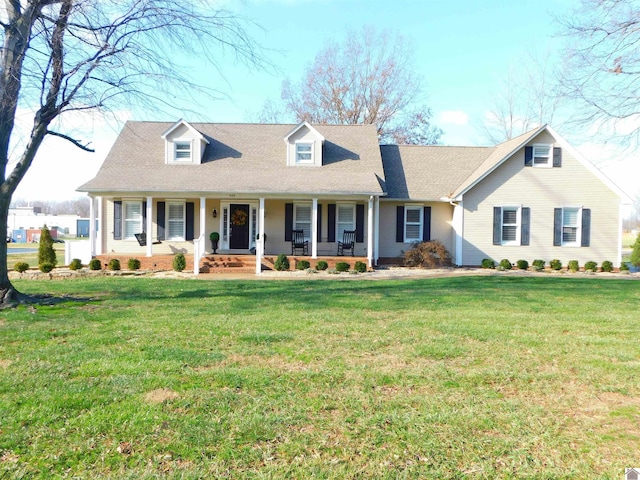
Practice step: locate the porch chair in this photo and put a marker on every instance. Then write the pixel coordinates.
(348, 242)
(298, 242)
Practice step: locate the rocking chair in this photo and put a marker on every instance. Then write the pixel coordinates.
(298, 242)
(348, 242)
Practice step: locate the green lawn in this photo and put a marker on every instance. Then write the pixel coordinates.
(486, 377)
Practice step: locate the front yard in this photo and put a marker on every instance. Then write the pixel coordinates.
(477, 377)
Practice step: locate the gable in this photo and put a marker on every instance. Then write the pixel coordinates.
(183, 144)
(304, 146)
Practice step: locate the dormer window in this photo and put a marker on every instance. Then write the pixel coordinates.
(182, 151)
(304, 153)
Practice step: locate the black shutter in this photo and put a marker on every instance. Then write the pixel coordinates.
(497, 225)
(190, 221)
(400, 224)
(557, 227)
(525, 226)
(288, 221)
(319, 224)
(426, 224)
(331, 222)
(160, 219)
(117, 220)
(528, 156)
(144, 217)
(557, 157)
(359, 223)
(586, 227)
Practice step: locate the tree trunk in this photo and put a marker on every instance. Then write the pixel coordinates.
(9, 296)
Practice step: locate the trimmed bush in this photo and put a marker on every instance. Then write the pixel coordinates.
(538, 265)
(555, 264)
(46, 253)
(76, 264)
(624, 267)
(303, 265)
(342, 267)
(282, 263)
(179, 262)
(488, 263)
(573, 266)
(114, 264)
(133, 264)
(506, 264)
(360, 267)
(46, 267)
(522, 264)
(21, 267)
(607, 266)
(426, 254)
(635, 253)
(322, 265)
(94, 264)
(593, 266)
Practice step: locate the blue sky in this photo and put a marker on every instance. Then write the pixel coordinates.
(461, 50)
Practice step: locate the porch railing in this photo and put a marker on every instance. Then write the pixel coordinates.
(198, 253)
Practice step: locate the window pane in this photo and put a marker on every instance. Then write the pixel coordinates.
(303, 152)
(412, 232)
(176, 230)
(413, 215)
(345, 214)
(569, 234)
(133, 219)
(175, 211)
(509, 216)
(570, 216)
(183, 150)
(509, 233)
(175, 223)
(303, 219)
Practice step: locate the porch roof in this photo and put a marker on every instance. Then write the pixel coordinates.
(242, 158)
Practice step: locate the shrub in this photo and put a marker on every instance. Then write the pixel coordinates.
(94, 264)
(360, 267)
(303, 265)
(133, 264)
(332, 271)
(522, 264)
(593, 266)
(607, 266)
(342, 266)
(573, 266)
(46, 267)
(506, 264)
(624, 267)
(488, 263)
(282, 263)
(635, 253)
(426, 254)
(538, 265)
(46, 253)
(21, 267)
(114, 264)
(76, 264)
(179, 262)
(555, 264)
(322, 265)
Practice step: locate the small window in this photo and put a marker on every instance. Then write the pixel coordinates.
(412, 224)
(570, 226)
(182, 151)
(304, 153)
(175, 220)
(302, 219)
(542, 155)
(132, 219)
(510, 226)
(345, 219)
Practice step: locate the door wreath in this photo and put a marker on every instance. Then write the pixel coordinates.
(239, 218)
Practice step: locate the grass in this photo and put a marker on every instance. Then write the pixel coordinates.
(31, 257)
(487, 377)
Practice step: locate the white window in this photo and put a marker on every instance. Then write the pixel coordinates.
(345, 219)
(304, 153)
(571, 226)
(132, 219)
(175, 220)
(413, 223)
(511, 225)
(302, 219)
(182, 151)
(542, 155)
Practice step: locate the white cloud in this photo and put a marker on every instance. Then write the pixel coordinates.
(453, 117)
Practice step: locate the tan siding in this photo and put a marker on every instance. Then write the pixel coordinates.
(542, 190)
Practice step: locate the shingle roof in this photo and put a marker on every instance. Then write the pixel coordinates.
(429, 172)
(242, 158)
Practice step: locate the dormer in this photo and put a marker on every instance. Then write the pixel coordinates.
(304, 146)
(183, 144)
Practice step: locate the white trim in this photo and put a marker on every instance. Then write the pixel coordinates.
(420, 208)
(578, 241)
(99, 234)
(225, 242)
(124, 219)
(339, 235)
(149, 226)
(311, 160)
(549, 162)
(168, 237)
(370, 221)
(92, 226)
(314, 228)
(166, 133)
(177, 142)
(299, 126)
(518, 225)
(260, 242)
(377, 230)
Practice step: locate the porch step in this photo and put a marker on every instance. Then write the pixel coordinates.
(228, 264)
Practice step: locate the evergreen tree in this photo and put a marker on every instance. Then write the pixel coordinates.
(635, 254)
(46, 253)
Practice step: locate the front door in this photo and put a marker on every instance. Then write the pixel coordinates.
(239, 222)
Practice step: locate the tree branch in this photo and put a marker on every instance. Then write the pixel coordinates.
(77, 143)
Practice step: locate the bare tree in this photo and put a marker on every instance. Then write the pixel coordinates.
(61, 56)
(368, 79)
(602, 67)
(526, 98)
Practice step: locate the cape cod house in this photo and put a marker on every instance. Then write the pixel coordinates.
(531, 197)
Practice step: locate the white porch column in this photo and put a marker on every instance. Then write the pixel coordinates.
(92, 226)
(100, 228)
(149, 226)
(370, 232)
(203, 220)
(260, 241)
(458, 225)
(314, 228)
(376, 233)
